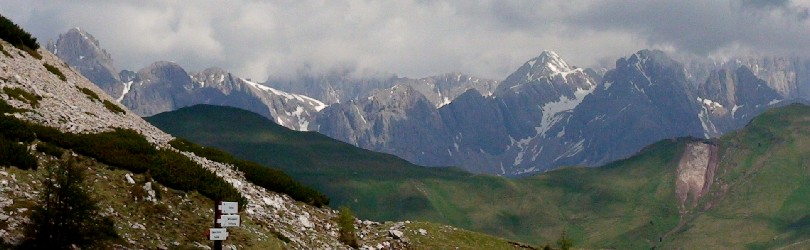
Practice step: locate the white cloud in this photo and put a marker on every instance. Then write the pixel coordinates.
(412, 38)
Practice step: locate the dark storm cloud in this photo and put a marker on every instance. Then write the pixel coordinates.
(765, 3)
(787, 7)
(706, 27)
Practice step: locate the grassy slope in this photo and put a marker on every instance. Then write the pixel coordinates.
(626, 204)
(179, 221)
(761, 198)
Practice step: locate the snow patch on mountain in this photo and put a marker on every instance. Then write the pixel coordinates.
(709, 103)
(318, 105)
(127, 88)
(552, 111)
(734, 110)
(707, 108)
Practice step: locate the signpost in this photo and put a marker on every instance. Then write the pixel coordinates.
(226, 214)
(217, 234)
(229, 220)
(229, 207)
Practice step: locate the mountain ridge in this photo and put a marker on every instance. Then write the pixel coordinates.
(527, 123)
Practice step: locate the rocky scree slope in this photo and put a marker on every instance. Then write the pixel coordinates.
(64, 105)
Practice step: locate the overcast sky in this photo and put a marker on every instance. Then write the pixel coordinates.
(414, 38)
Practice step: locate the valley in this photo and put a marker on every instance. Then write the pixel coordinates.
(653, 199)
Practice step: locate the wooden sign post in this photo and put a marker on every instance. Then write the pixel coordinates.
(226, 214)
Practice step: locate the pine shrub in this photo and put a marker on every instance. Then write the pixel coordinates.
(23, 96)
(49, 149)
(67, 215)
(113, 108)
(6, 108)
(55, 71)
(90, 94)
(346, 227)
(16, 154)
(128, 150)
(12, 33)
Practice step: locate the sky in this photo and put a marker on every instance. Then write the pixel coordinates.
(415, 38)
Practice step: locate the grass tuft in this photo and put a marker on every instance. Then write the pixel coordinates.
(23, 96)
(112, 107)
(55, 71)
(90, 94)
(4, 51)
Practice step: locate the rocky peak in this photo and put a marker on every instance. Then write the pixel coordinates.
(164, 71)
(644, 99)
(76, 45)
(82, 51)
(648, 59)
(638, 71)
(788, 76)
(213, 73)
(547, 69)
(550, 62)
(211, 77)
(399, 95)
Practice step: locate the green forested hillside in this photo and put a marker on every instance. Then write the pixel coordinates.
(760, 197)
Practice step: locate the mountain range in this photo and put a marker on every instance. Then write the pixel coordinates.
(545, 115)
(549, 114)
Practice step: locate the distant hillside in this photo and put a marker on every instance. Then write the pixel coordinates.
(747, 189)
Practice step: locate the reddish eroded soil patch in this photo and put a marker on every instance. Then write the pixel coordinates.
(695, 173)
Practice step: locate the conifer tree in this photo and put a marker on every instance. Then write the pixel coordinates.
(67, 216)
(346, 225)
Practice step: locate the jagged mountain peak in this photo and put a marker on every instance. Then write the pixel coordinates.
(647, 57)
(78, 33)
(550, 61)
(165, 85)
(211, 75)
(452, 77)
(76, 45)
(546, 69)
(643, 66)
(82, 51)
